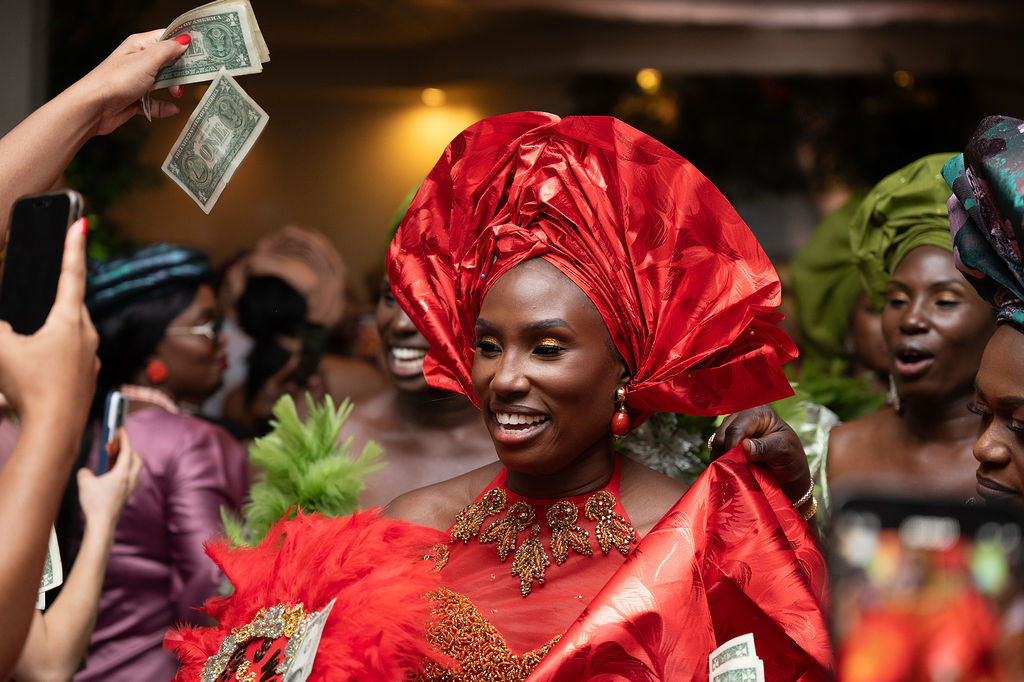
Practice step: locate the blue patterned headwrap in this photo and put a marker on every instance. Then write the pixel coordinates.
(148, 273)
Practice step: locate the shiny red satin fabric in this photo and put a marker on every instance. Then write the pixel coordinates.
(682, 285)
(731, 557)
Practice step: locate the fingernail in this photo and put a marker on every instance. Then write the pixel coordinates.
(176, 91)
(183, 39)
(83, 225)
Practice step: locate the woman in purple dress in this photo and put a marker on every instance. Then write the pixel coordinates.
(160, 345)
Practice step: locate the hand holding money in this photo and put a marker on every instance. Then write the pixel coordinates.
(114, 87)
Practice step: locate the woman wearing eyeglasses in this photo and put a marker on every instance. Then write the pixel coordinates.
(160, 345)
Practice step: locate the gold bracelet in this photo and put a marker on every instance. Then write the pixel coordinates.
(811, 511)
(805, 497)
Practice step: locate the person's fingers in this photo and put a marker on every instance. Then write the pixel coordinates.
(167, 51)
(175, 91)
(162, 109)
(84, 476)
(767, 447)
(71, 284)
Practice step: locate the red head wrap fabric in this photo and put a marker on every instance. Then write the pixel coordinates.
(685, 290)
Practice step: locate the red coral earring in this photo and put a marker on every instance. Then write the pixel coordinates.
(156, 372)
(620, 421)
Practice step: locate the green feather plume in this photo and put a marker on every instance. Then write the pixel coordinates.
(301, 466)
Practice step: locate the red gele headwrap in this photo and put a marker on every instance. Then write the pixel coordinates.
(685, 290)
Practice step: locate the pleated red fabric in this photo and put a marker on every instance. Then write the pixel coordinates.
(683, 286)
(732, 557)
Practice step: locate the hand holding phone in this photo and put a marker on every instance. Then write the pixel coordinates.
(927, 590)
(114, 412)
(35, 250)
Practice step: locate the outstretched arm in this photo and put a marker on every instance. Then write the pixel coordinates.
(58, 639)
(48, 378)
(36, 152)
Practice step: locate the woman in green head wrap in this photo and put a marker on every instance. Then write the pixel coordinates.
(845, 361)
(935, 327)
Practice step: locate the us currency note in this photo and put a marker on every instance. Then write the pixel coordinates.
(217, 137)
(736, 648)
(740, 671)
(224, 35)
(53, 571)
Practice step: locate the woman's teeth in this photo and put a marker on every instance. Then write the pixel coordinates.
(408, 358)
(510, 419)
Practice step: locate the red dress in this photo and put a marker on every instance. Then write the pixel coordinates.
(731, 557)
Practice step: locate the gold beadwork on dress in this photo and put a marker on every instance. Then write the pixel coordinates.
(612, 529)
(504, 530)
(471, 519)
(531, 559)
(439, 555)
(461, 632)
(565, 533)
(530, 562)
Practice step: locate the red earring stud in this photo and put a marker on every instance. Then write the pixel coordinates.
(156, 372)
(620, 420)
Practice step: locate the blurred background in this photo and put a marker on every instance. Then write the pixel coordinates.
(787, 105)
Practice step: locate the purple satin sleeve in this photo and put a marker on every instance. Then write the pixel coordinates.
(208, 473)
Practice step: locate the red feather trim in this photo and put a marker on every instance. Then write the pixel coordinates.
(373, 565)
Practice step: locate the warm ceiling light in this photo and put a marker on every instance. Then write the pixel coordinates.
(649, 80)
(433, 97)
(903, 79)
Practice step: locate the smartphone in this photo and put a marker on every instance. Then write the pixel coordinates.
(926, 590)
(32, 262)
(114, 412)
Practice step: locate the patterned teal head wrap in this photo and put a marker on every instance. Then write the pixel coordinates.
(986, 214)
(147, 273)
(905, 210)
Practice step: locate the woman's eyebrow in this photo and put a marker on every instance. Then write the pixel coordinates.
(552, 323)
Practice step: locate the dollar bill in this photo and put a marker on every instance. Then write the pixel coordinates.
(740, 671)
(217, 137)
(224, 35)
(53, 570)
(736, 648)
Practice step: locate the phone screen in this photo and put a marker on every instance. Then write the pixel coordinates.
(32, 262)
(927, 591)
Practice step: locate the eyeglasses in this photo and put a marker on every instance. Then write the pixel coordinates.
(210, 330)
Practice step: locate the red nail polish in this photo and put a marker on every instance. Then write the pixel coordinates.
(85, 226)
(183, 39)
(176, 91)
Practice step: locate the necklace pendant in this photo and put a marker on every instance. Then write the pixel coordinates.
(471, 519)
(530, 562)
(612, 530)
(504, 531)
(565, 533)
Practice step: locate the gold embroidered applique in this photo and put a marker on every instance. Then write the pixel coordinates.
(612, 529)
(530, 562)
(439, 555)
(505, 530)
(280, 620)
(471, 519)
(461, 632)
(565, 533)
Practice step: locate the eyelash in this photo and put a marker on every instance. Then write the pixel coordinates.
(974, 408)
(487, 345)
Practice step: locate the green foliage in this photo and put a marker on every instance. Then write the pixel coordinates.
(302, 466)
(825, 382)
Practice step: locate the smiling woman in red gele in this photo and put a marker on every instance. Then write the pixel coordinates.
(571, 277)
(935, 328)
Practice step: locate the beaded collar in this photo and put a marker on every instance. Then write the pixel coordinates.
(562, 517)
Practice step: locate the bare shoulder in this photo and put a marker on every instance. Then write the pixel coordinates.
(854, 444)
(437, 505)
(647, 494)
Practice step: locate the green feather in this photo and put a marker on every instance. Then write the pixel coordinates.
(301, 465)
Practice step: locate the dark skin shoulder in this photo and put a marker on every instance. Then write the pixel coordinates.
(437, 505)
(646, 495)
(854, 446)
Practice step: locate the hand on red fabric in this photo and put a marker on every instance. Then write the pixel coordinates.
(768, 439)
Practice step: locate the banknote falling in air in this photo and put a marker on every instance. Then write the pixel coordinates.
(225, 41)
